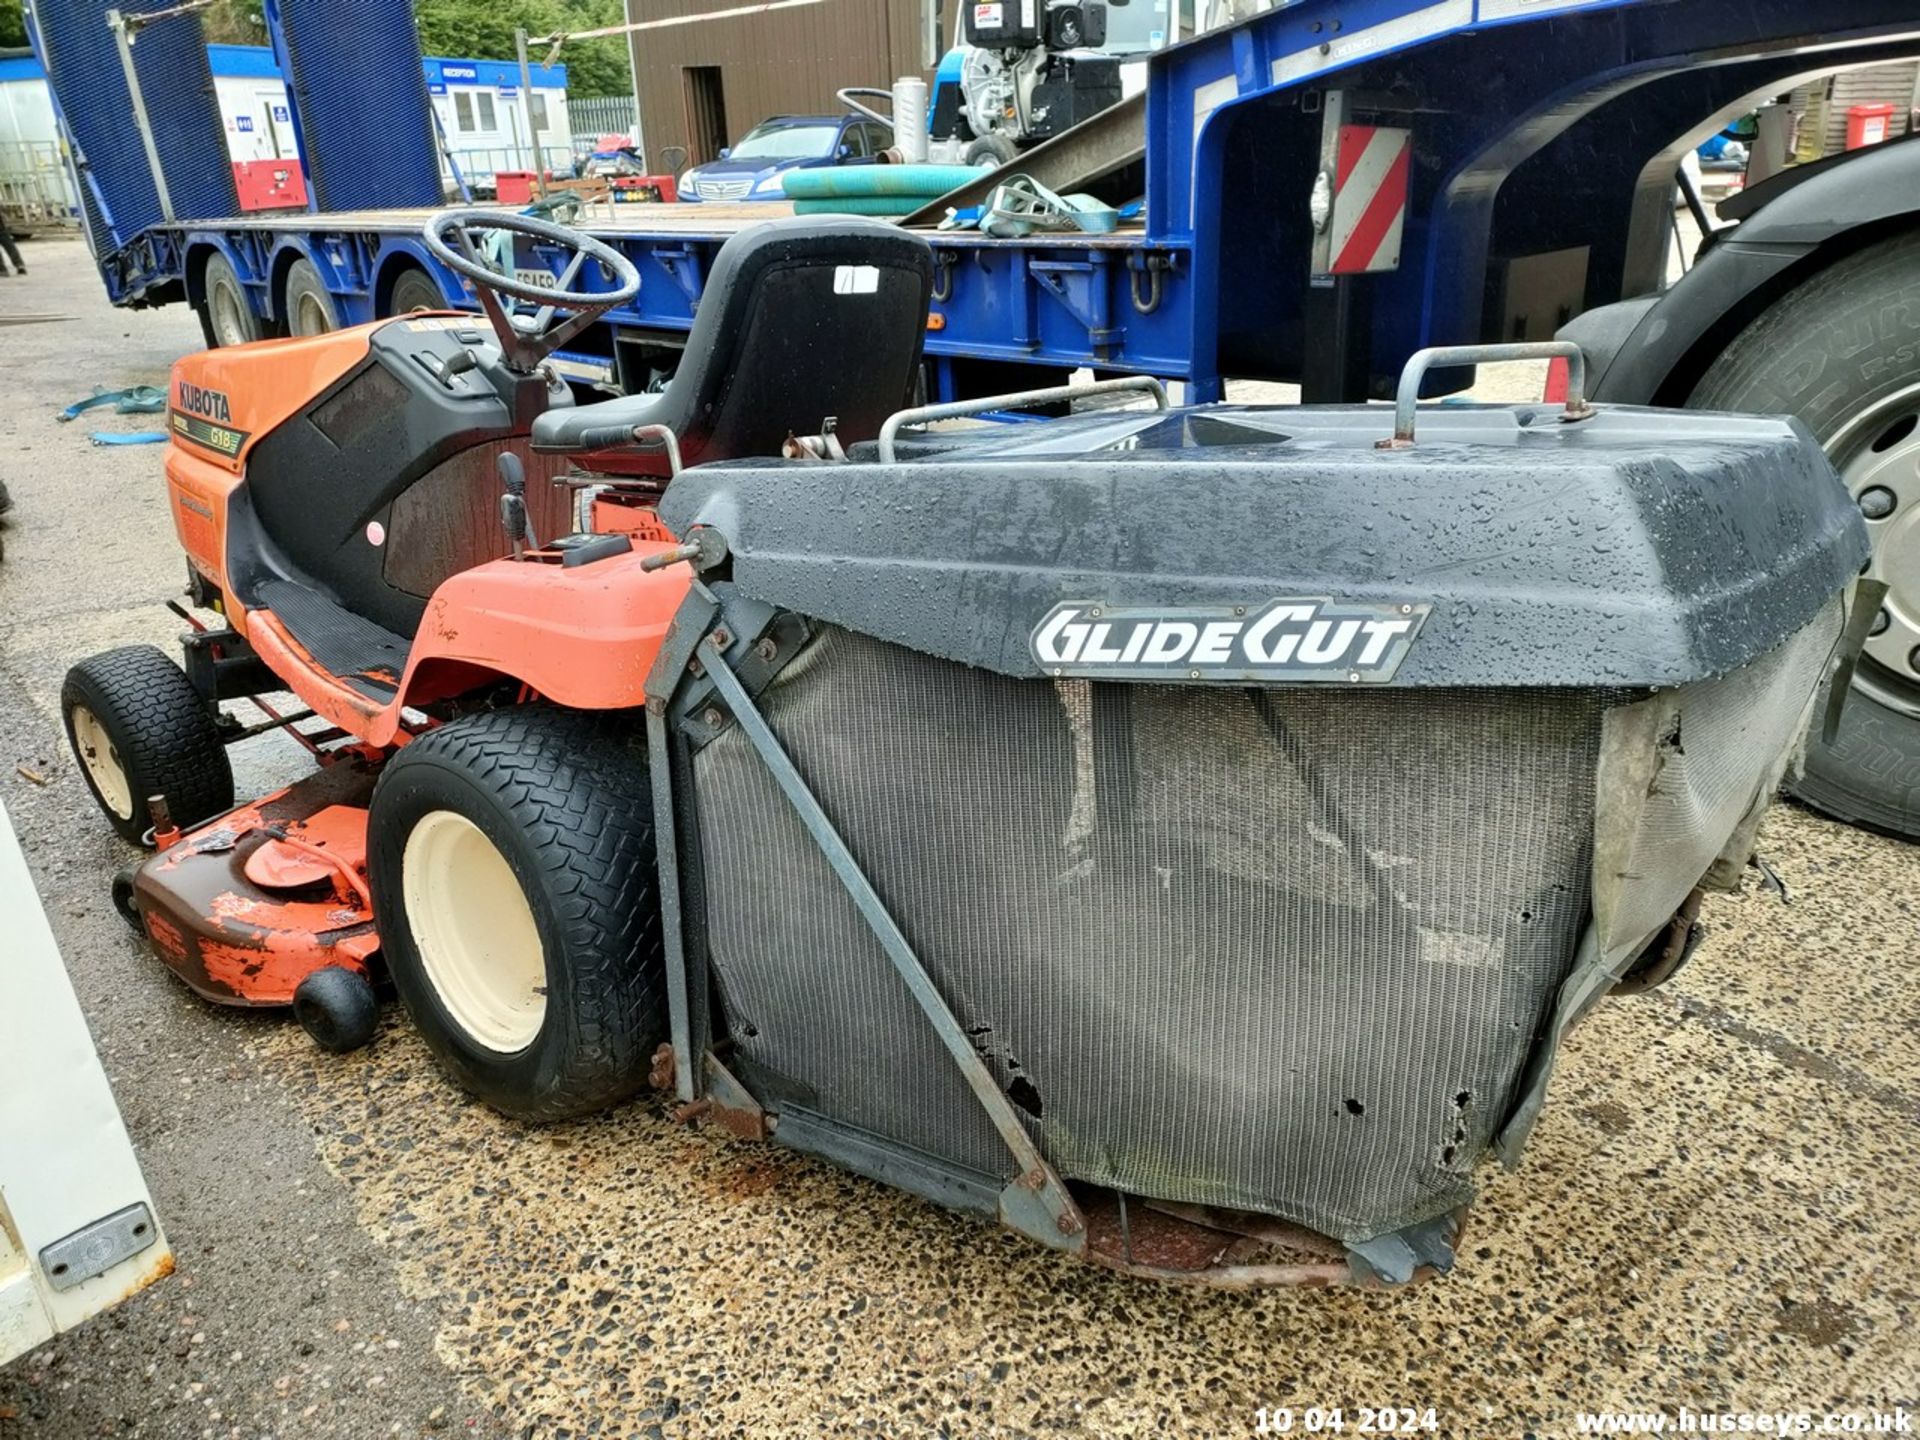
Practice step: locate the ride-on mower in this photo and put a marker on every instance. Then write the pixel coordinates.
(1185, 834)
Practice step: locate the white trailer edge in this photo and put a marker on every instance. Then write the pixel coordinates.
(77, 1228)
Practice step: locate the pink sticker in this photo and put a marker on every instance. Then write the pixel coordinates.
(376, 533)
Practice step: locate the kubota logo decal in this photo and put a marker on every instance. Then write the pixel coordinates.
(208, 404)
(203, 416)
(1282, 640)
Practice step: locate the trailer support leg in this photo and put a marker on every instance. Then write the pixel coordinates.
(1336, 362)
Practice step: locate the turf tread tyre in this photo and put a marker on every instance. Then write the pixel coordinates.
(164, 732)
(1842, 341)
(564, 796)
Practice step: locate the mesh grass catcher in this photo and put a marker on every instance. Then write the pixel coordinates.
(1189, 835)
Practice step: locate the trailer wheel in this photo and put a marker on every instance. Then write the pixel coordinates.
(309, 308)
(226, 313)
(1842, 352)
(511, 861)
(139, 728)
(415, 290)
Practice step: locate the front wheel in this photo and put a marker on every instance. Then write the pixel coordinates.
(511, 861)
(1842, 352)
(139, 729)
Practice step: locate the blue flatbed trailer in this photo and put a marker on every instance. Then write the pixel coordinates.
(1542, 138)
(1537, 126)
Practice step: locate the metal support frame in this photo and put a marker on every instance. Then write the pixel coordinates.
(676, 654)
(667, 855)
(123, 29)
(1081, 287)
(957, 409)
(530, 147)
(1036, 1203)
(1336, 362)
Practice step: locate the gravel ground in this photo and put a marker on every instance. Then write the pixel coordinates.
(1718, 1210)
(285, 1318)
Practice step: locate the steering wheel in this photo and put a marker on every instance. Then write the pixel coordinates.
(454, 238)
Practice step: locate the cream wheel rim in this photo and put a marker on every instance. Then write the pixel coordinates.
(104, 766)
(474, 932)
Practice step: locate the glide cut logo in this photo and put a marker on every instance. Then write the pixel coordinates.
(203, 416)
(1310, 638)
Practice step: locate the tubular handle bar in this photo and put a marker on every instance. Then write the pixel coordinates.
(1407, 400)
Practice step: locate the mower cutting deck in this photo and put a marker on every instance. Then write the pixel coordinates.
(1184, 835)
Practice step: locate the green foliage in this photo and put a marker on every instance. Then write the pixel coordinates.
(234, 22)
(483, 30)
(469, 29)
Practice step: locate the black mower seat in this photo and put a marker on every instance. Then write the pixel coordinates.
(800, 319)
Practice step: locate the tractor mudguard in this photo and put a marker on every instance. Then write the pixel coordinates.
(1654, 349)
(582, 636)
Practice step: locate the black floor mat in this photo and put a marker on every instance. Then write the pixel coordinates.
(353, 649)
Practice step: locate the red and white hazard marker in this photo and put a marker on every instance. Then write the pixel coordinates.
(1369, 199)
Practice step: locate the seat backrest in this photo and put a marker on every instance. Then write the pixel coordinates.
(801, 319)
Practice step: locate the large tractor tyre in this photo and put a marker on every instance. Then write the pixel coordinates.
(415, 290)
(511, 860)
(226, 313)
(139, 728)
(309, 309)
(1842, 352)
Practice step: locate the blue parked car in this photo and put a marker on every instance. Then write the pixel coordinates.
(752, 169)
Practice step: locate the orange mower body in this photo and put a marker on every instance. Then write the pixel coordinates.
(338, 501)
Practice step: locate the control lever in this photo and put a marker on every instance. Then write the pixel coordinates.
(456, 365)
(513, 504)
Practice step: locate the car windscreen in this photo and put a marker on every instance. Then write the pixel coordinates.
(787, 142)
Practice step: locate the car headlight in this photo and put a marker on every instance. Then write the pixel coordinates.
(774, 184)
(684, 185)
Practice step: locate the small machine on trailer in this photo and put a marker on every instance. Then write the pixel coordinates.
(1181, 833)
(1025, 73)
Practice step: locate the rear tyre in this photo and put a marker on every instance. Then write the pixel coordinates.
(415, 290)
(511, 861)
(992, 149)
(1842, 352)
(139, 728)
(226, 313)
(337, 1008)
(309, 308)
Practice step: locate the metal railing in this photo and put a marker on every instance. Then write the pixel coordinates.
(480, 166)
(35, 188)
(602, 115)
